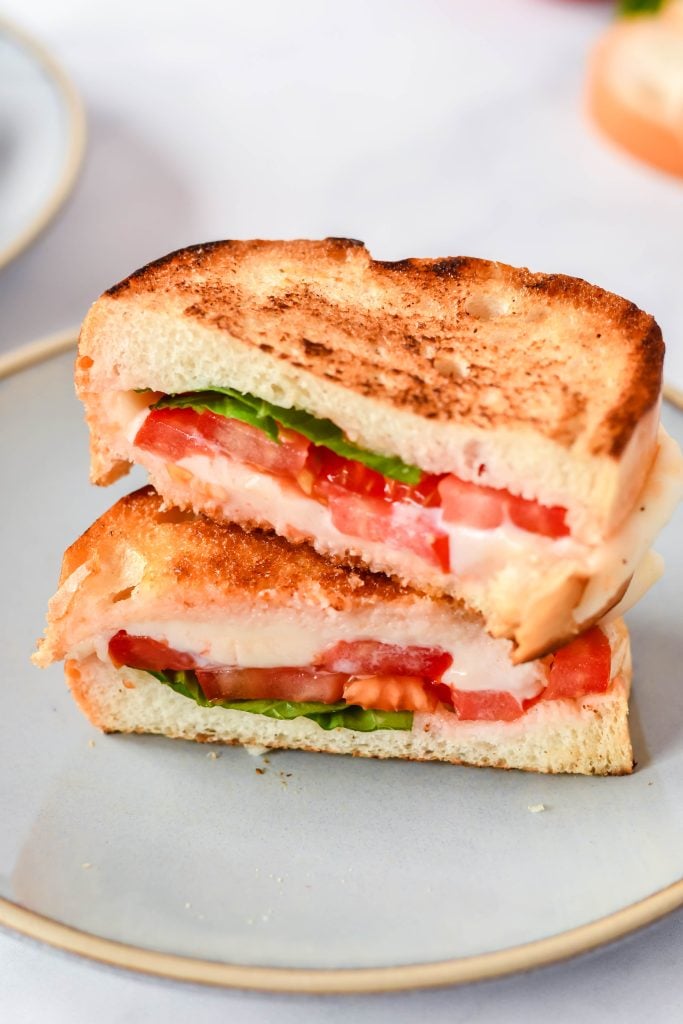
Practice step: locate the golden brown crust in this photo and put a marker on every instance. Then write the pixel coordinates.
(429, 336)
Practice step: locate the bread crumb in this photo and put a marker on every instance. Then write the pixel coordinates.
(260, 771)
(255, 750)
(91, 743)
(86, 864)
(536, 808)
(213, 755)
(188, 906)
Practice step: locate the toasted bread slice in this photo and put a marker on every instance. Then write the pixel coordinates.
(204, 589)
(539, 383)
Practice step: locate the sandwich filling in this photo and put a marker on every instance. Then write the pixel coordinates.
(368, 496)
(366, 684)
(242, 457)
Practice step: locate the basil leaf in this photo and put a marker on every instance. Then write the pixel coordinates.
(225, 402)
(362, 720)
(628, 7)
(327, 716)
(266, 417)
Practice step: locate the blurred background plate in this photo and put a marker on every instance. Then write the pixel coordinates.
(301, 872)
(42, 134)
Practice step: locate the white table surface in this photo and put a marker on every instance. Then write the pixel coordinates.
(424, 128)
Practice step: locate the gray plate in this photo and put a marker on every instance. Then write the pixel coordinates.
(320, 862)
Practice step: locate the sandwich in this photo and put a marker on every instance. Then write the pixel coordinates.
(173, 624)
(470, 429)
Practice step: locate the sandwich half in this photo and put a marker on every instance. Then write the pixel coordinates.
(467, 427)
(171, 623)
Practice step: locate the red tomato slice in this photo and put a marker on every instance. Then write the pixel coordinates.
(391, 693)
(415, 530)
(175, 433)
(293, 684)
(330, 468)
(470, 504)
(425, 493)
(362, 502)
(583, 666)
(486, 705)
(358, 516)
(372, 658)
(145, 653)
(398, 525)
(487, 507)
(537, 518)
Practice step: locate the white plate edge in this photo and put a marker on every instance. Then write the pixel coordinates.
(76, 144)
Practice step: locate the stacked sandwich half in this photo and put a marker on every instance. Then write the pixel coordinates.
(398, 508)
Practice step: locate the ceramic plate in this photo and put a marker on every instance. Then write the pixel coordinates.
(301, 872)
(41, 139)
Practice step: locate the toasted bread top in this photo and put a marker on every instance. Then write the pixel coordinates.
(456, 340)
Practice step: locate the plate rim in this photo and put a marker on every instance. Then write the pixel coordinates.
(543, 952)
(75, 144)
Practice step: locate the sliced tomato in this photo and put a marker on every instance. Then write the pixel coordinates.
(582, 667)
(327, 467)
(486, 705)
(363, 503)
(391, 693)
(176, 433)
(291, 684)
(245, 443)
(145, 653)
(399, 525)
(488, 507)
(173, 434)
(358, 516)
(426, 493)
(372, 658)
(531, 515)
(470, 504)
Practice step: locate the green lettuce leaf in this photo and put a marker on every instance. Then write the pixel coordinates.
(327, 716)
(258, 413)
